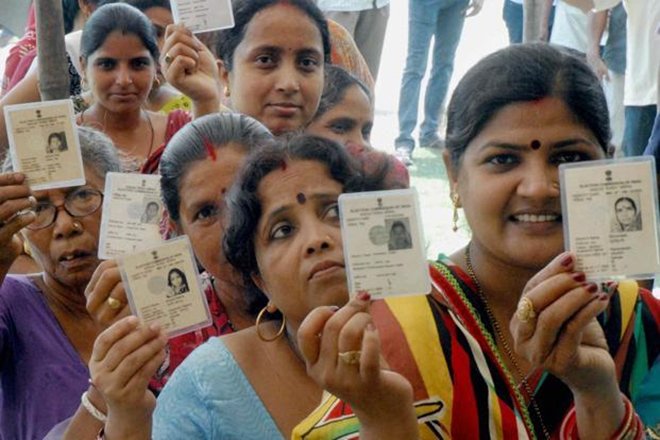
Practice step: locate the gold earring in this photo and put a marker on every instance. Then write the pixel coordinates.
(455, 199)
(156, 84)
(227, 92)
(279, 333)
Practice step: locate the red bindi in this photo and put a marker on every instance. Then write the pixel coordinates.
(301, 198)
(535, 144)
(210, 150)
(283, 165)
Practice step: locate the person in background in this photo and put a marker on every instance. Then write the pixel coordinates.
(366, 21)
(442, 21)
(609, 63)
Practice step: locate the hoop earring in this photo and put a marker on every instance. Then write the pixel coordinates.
(455, 199)
(156, 84)
(279, 333)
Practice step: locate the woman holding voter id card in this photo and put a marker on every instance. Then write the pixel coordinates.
(46, 333)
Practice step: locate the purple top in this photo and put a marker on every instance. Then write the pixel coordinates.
(41, 373)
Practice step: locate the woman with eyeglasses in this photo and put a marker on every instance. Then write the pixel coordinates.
(46, 333)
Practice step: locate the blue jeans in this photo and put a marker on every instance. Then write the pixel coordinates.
(638, 128)
(512, 13)
(443, 21)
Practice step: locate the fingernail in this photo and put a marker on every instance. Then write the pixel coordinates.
(567, 260)
(612, 287)
(333, 309)
(154, 327)
(33, 201)
(591, 288)
(603, 297)
(363, 296)
(579, 277)
(370, 327)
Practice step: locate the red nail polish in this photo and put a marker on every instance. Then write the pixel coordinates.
(591, 288)
(567, 260)
(364, 296)
(579, 277)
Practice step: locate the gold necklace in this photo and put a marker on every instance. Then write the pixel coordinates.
(499, 336)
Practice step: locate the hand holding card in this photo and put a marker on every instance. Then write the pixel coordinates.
(383, 243)
(163, 287)
(610, 210)
(203, 15)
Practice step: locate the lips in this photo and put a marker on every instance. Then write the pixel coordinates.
(285, 109)
(74, 255)
(324, 268)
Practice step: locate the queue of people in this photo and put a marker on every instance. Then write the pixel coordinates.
(512, 341)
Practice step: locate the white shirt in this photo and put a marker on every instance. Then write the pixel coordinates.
(350, 5)
(643, 50)
(570, 28)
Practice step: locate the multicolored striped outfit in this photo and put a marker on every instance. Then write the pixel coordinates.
(444, 345)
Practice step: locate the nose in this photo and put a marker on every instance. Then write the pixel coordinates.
(318, 240)
(539, 181)
(65, 224)
(124, 76)
(288, 80)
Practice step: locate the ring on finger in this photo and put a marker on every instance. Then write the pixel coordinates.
(525, 311)
(350, 357)
(168, 59)
(113, 303)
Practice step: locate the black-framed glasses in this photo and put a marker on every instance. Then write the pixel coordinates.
(78, 203)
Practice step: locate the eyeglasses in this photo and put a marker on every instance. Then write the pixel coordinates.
(78, 203)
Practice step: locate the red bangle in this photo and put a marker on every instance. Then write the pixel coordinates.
(631, 427)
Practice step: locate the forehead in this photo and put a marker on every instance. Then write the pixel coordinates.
(300, 176)
(207, 175)
(355, 103)
(545, 120)
(283, 26)
(120, 45)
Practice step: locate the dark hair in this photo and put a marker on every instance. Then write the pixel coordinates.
(152, 203)
(180, 273)
(245, 10)
(70, 9)
(624, 199)
(117, 17)
(59, 136)
(143, 5)
(192, 142)
(521, 73)
(245, 207)
(335, 83)
(398, 224)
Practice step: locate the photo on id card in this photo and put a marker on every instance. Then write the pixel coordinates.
(132, 211)
(610, 217)
(44, 145)
(162, 286)
(383, 243)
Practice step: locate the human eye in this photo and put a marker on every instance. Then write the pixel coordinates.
(332, 211)
(82, 195)
(265, 60)
(340, 127)
(502, 160)
(366, 132)
(569, 157)
(207, 213)
(140, 63)
(280, 230)
(41, 207)
(106, 63)
(308, 63)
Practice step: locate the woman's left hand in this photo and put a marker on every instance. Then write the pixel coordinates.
(564, 337)
(341, 348)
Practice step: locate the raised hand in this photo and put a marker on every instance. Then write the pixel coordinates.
(106, 298)
(16, 199)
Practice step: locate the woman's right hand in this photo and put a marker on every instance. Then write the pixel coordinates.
(381, 399)
(106, 289)
(15, 201)
(190, 66)
(124, 358)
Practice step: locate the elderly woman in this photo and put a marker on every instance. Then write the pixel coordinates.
(259, 372)
(46, 334)
(198, 167)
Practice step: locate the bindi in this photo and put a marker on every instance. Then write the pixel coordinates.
(300, 197)
(535, 144)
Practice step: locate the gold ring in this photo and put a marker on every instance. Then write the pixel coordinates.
(350, 357)
(168, 59)
(525, 311)
(113, 303)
